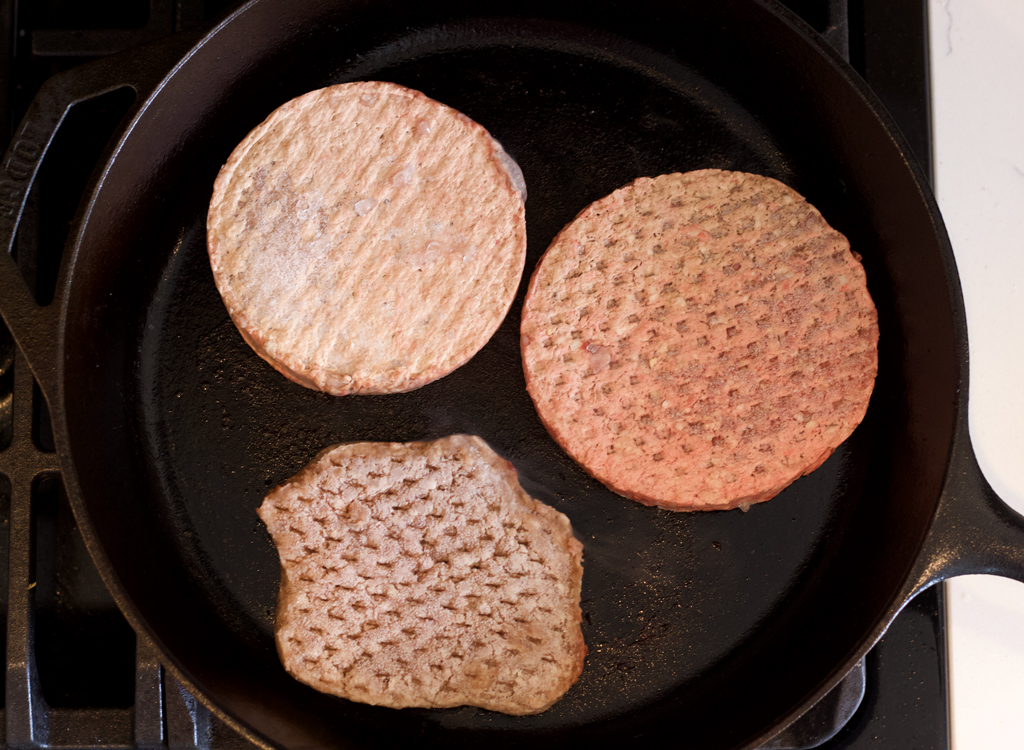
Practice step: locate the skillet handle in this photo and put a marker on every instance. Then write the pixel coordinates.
(34, 327)
(974, 531)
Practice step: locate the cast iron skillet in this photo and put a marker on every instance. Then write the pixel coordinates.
(721, 627)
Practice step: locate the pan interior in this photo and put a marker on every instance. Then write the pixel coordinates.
(666, 596)
(174, 430)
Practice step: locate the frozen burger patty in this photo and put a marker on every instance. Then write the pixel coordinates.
(699, 341)
(421, 574)
(366, 238)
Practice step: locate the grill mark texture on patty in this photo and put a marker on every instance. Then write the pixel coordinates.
(366, 238)
(422, 574)
(701, 340)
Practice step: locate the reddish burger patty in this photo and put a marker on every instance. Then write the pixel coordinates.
(699, 341)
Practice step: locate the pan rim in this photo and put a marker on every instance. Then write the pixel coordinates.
(62, 436)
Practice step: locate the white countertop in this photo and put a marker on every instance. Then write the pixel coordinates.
(977, 58)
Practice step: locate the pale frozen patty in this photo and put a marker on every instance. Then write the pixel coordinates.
(366, 238)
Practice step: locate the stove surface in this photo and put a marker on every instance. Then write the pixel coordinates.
(77, 675)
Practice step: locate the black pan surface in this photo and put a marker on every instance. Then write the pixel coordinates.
(721, 626)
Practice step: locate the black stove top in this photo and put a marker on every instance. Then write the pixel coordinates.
(77, 676)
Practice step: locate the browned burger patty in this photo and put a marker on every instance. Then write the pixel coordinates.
(699, 341)
(366, 238)
(422, 574)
